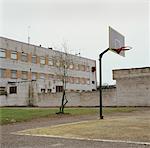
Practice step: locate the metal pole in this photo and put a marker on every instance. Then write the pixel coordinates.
(100, 83)
(100, 87)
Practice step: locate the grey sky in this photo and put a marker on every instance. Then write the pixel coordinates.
(84, 25)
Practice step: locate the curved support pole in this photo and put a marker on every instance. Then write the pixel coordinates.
(100, 82)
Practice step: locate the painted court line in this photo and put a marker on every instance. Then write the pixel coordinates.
(76, 138)
(59, 125)
(88, 139)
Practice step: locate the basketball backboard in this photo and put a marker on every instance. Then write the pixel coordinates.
(116, 41)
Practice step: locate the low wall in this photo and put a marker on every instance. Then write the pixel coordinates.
(78, 99)
(133, 91)
(22, 98)
(110, 98)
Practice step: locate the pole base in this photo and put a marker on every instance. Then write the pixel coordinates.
(101, 117)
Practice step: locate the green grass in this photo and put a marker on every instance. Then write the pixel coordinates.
(11, 115)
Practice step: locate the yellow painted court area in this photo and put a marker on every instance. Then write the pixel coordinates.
(128, 128)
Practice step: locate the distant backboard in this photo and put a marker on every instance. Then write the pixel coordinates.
(116, 41)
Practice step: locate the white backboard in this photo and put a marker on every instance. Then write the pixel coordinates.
(116, 40)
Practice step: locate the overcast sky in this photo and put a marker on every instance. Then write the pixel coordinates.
(83, 24)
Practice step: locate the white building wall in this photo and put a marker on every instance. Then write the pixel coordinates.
(20, 47)
(19, 99)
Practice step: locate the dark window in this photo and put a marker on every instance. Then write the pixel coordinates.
(93, 69)
(3, 91)
(42, 90)
(59, 88)
(13, 89)
(93, 89)
(49, 90)
(93, 82)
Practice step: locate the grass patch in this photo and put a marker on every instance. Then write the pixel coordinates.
(11, 115)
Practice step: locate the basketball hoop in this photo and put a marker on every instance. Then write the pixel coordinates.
(118, 50)
(117, 45)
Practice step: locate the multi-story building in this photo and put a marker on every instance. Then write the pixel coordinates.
(23, 63)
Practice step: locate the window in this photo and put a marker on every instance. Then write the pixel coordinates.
(14, 55)
(76, 66)
(3, 91)
(42, 76)
(58, 63)
(42, 60)
(33, 76)
(88, 68)
(93, 69)
(42, 90)
(34, 59)
(2, 53)
(88, 81)
(13, 89)
(76, 80)
(59, 88)
(50, 76)
(14, 74)
(82, 67)
(71, 80)
(2, 73)
(59, 77)
(50, 62)
(24, 57)
(24, 75)
(71, 66)
(93, 82)
(49, 90)
(82, 80)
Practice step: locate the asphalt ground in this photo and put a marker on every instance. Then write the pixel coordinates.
(9, 140)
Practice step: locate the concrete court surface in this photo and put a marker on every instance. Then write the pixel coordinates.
(9, 140)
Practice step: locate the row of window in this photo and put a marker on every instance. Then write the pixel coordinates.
(26, 75)
(42, 60)
(12, 90)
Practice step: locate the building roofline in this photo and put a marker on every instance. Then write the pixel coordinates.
(45, 48)
(131, 68)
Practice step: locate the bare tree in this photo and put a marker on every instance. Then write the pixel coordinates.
(63, 61)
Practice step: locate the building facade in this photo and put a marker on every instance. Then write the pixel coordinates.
(23, 64)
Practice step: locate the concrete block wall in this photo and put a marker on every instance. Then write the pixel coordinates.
(111, 97)
(78, 98)
(133, 91)
(133, 86)
(54, 99)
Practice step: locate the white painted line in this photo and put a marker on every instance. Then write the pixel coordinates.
(57, 144)
(72, 123)
(58, 125)
(88, 139)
